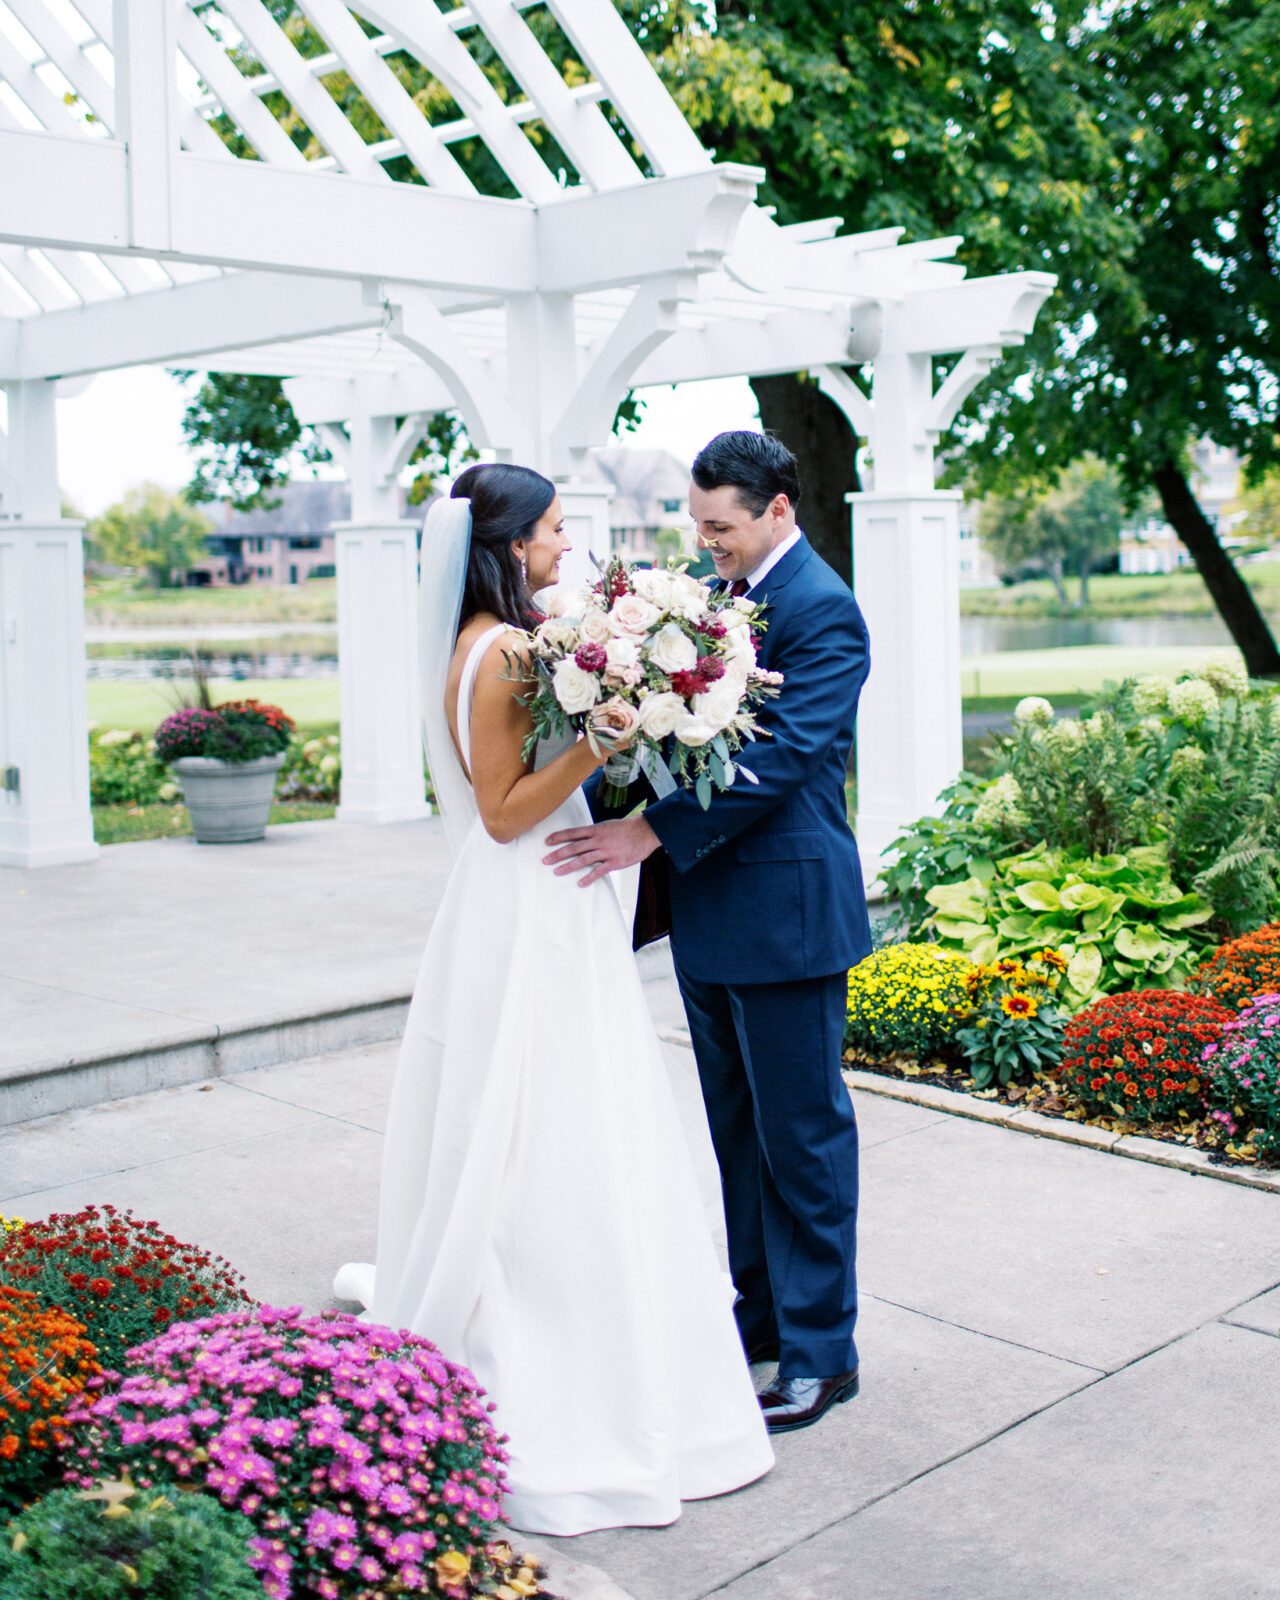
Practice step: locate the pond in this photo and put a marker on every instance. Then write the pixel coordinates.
(988, 635)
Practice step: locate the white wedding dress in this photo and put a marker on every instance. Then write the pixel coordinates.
(540, 1218)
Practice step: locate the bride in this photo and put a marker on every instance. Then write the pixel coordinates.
(540, 1220)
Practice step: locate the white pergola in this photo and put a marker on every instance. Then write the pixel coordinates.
(130, 233)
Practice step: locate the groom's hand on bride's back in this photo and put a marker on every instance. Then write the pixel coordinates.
(600, 847)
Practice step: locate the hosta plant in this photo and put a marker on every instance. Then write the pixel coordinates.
(904, 999)
(123, 1278)
(366, 1462)
(1117, 919)
(1013, 1028)
(1139, 1055)
(113, 1542)
(1243, 1073)
(45, 1362)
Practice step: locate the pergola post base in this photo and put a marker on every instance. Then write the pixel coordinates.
(45, 816)
(906, 575)
(382, 777)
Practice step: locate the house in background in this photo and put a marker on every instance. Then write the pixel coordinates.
(1153, 546)
(289, 544)
(650, 492)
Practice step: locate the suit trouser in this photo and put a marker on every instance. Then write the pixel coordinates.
(786, 1138)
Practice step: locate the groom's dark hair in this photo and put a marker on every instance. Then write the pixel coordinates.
(757, 465)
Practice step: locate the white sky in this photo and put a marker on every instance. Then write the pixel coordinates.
(126, 427)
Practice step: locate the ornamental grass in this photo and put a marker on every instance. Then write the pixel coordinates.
(904, 999)
(1243, 1068)
(45, 1362)
(366, 1461)
(1139, 1055)
(125, 1279)
(1241, 968)
(112, 1542)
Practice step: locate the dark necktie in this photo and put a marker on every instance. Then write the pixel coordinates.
(738, 586)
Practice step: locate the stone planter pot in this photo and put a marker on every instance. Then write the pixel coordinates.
(229, 801)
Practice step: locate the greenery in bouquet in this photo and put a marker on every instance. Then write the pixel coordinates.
(1118, 919)
(1013, 1029)
(238, 731)
(653, 657)
(123, 1278)
(45, 1362)
(905, 999)
(1243, 1074)
(1192, 764)
(125, 771)
(1241, 968)
(1139, 1056)
(115, 1542)
(366, 1462)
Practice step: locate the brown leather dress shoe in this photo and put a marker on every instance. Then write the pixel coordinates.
(790, 1403)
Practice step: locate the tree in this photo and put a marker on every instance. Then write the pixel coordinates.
(153, 529)
(1069, 524)
(1180, 339)
(1261, 501)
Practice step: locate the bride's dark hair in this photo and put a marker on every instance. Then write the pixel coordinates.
(506, 504)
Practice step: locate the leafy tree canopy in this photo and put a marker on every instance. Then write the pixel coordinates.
(1068, 524)
(152, 529)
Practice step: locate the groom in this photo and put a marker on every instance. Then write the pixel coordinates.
(768, 914)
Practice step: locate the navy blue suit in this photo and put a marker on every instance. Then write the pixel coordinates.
(768, 914)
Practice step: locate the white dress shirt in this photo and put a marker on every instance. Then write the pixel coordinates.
(772, 559)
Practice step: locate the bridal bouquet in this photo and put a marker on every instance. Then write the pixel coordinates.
(656, 657)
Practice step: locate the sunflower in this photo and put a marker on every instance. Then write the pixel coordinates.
(1051, 958)
(1018, 1005)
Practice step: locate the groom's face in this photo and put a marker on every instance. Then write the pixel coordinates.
(737, 541)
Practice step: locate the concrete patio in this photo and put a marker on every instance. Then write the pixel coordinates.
(1071, 1363)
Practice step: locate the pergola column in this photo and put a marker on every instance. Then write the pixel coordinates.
(586, 521)
(377, 568)
(45, 816)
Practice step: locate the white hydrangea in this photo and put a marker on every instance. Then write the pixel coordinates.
(1067, 734)
(1224, 670)
(115, 736)
(1192, 701)
(1035, 709)
(1151, 696)
(1152, 726)
(1001, 805)
(1187, 759)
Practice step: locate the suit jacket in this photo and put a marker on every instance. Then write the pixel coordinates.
(766, 885)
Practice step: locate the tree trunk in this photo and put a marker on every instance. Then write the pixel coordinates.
(1231, 594)
(817, 433)
(1053, 566)
(1085, 564)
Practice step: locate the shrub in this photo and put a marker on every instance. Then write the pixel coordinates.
(905, 997)
(312, 770)
(240, 730)
(1013, 1028)
(123, 1278)
(123, 770)
(364, 1459)
(45, 1361)
(1139, 1055)
(1118, 919)
(1244, 1073)
(114, 1542)
(1241, 968)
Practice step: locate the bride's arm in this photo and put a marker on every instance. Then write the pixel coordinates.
(511, 798)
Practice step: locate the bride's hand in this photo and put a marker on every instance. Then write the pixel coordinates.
(615, 725)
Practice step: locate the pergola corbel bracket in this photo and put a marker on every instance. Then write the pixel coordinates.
(417, 324)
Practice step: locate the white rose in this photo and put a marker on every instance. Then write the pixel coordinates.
(622, 653)
(655, 586)
(594, 627)
(672, 650)
(631, 614)
(735, 619)
(661, 714)
(563, 601)
(747, 607)
(719, 705)
(556, 633)
(739, 650)
(696, 731)
(575, 689)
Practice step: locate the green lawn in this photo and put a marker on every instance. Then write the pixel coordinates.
(144, 705)
(1070, 672)
(1174, 594)
(117, 601)
(127, 824)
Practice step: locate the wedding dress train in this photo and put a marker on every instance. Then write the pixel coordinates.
(540, 1219)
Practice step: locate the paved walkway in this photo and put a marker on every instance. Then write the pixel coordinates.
(1071, 1363)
